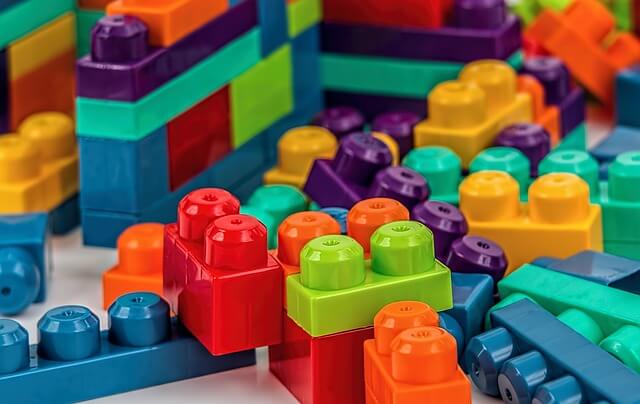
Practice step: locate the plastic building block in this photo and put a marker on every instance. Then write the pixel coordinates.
(27, 16)
(4, 91)
(519, 361)
(579, 163)
(387, 12)
(139, 267)
(574, 140)
(545, 116)
(303, 14)
(334, 275)
(399, 125)
(213, 256)
(445, 221)
(477, 255)
(506, 159)
(273, 24)
(606, 269)
(365, 217)
(66, 216)
(372, 105)
(620, 140)
(558, 220)
(297, 149)
(38, 166)
(407, 338)
(441, 167)
(584, 24)
(339, 215)
(610, 317)
(122, 66)
(472, 299)
(531, 139)
(24, 261)
(169, 20)
(85, 21)
(307, 365)
(626, 87)
(73, 361)
(307, 77)
(485, 95)
(340, 121)
(93, 4)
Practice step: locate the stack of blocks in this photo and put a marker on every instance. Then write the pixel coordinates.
(199, 101)
(88, 12)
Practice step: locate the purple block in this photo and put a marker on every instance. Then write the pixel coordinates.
(340, 120)
(477, 255)
(445, 221)
(374, 105)
(449, 44)
(552, 74)
(328, 189)
(399, 125)
(531, 139)
(359, 158)
(479, 14)
(120, 68)
(400, 183)
(573, 110)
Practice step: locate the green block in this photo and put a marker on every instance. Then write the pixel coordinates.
(302, 15)
(279, 201)
(133, 121)
(575, 140)
(267, 220)
(575, 162)
(623, 12)
(527, 10)
(337, 290)
(628, 249)
(620, 200)
(19, 20)
(261, 95)
(506, 159)
(441, 167)
(86, 19)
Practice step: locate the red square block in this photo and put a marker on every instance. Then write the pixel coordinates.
(218, 275)
(327, 369)
(199, 137)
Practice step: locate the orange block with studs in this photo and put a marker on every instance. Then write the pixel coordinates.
(139, 267)
(547, 116)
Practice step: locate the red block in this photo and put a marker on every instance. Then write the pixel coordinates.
(218, 276)
(199, 137)
(327, 369)
(394, 13)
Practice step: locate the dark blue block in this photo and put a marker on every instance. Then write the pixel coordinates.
(142, 348)
(123, 176)
(530, 350)
(374, 105)
(307, 76)
(620, 140)
(472, 298)
(627, 94)
(272, 16)
(66, 216)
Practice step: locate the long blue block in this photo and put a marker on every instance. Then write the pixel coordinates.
(307, 77)
(531, 354)
(620, 140)
(272, 15)
(627, 93)
(472, 298)
(124, 176)
(66, 216)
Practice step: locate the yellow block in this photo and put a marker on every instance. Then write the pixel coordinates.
(297, 150)
(39, 164)
(34, 50)
(467, 114)
(558, 220)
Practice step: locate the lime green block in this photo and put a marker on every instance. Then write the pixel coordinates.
(623, 12)
(441, 167)
(133, 121)
(302, 15)
(261, 95)
(337, 290)
(387, 76)
(527, 10)
(86, 20)
(19, 20)
(620, 200)
(575, 140)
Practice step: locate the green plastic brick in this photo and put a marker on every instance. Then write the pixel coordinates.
(261, 95)
(623, 12)
(527, 10)
(302, 15)
(575, 140)
(337, 290)
(86, 19)
(267, 220)
(21, 19)
(279, 201)
(441, 167)
(506, 159)
(620, 200)
(95, 118)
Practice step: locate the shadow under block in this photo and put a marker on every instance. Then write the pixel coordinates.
(402, 267)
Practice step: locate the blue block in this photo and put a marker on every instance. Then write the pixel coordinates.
(531, 354)
(123, 176)
(66, 216)
(272, 15)
(605, 269)
(620, 140)
(307, 77)
(627, 94)
(472, 298)
(452, 326)
(74, 361)
(24, 261)
(102, 228)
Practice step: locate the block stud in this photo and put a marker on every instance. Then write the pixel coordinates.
(552, 74)
(392, 145)
(19, 280)
(563, 390)
(68, 333)
(339, 215)
(19, 159)
(445, 221)
(119, 39)
(300, 228)
(201, 207)
(575, 162)
(299, 147)
(484, 356)
(475, 254)
(558, 198)
(530, 139)
(14, 347)
(402, 248)
(52, 132)
(624, 344)
(236, 242)
(457, 105)
(399, 125)
(139, 319)
(624, 177)
(479, 14)
(397, 317)
(489, 196)
(400, 183)
(583, 324)
(497, 79)
(506, 159)
(332, 262)
(278, 200)
(140, 249)
(439, 165)
(366, 216)
(340, 121)
(360, 156)
(521, 376)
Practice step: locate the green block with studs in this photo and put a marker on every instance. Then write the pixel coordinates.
(441, 167)
(506, 159)
(338, 290)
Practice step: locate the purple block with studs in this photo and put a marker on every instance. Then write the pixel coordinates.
(477, 255)
(445, 221)
(340, 120)
(372, 105)
(479, 14)
(399, 125)
(400, 183)
(552, 75)
(122, 65)
(531, 139)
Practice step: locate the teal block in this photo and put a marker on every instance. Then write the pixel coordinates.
(20, 19)
(575, 140)
(85, 20)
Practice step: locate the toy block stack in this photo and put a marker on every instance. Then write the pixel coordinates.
(200, 101)
(382, 55)
(88, 12)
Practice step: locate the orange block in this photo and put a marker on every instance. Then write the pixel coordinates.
(366, 216)
(50, 88)
(547, 116)
(169, 20)
(139, 267)
(582, 37)
(412, 360)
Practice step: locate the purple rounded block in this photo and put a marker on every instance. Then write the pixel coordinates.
(399, 125)
(340, 121)
(531, 139)
(359, 157)
(445, 221)
(400, 183)
(552, 74)
(479, 14)
(474, 254)
(119, 39)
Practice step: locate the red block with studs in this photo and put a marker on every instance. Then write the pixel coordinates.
(218, 275)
